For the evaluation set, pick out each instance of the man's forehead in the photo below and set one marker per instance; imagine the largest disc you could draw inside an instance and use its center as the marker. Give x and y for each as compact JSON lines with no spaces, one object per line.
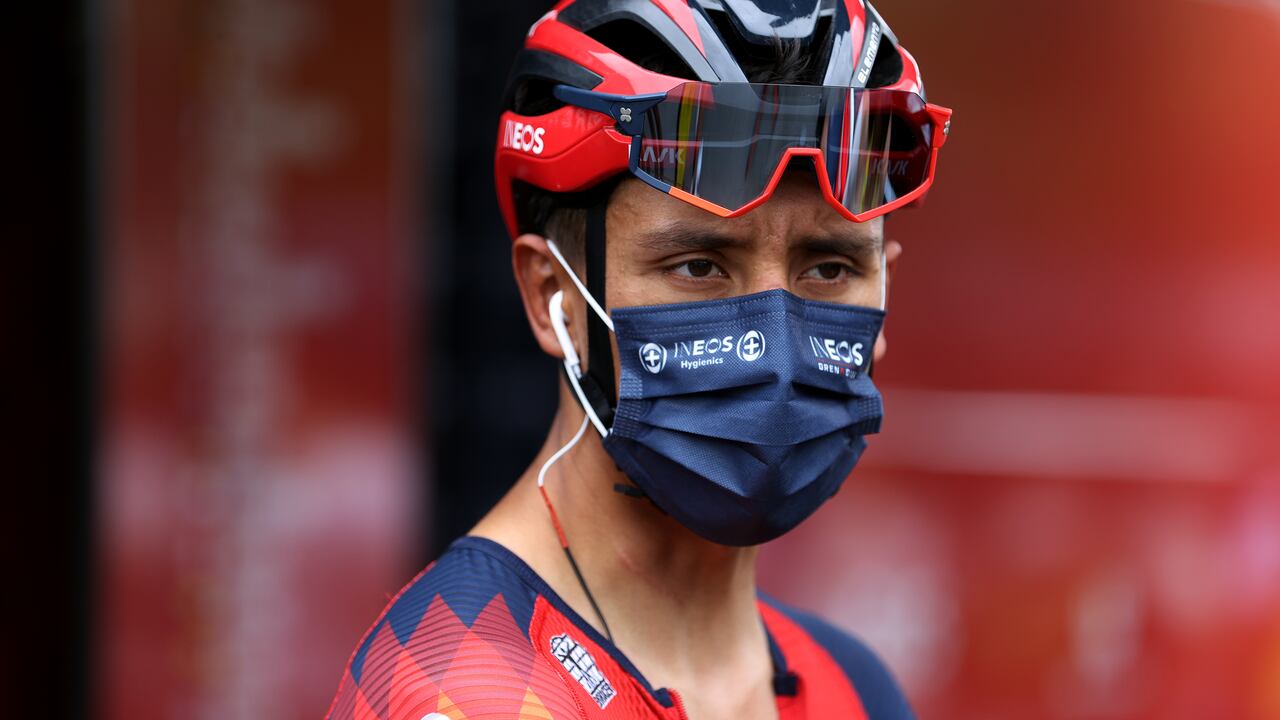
{"x":796,"y":215}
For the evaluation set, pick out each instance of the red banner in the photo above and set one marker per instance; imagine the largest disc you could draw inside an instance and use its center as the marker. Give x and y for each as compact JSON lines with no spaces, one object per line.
{"x":259,"y":484}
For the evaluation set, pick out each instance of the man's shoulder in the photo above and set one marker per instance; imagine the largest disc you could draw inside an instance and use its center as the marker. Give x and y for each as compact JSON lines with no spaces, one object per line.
{"x":456,"y":634}
{"x":878,"y":691}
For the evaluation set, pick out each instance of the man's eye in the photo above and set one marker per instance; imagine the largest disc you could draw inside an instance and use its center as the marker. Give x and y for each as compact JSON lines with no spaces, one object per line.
{"x":829,"y":271}
{"x":697,"y":269}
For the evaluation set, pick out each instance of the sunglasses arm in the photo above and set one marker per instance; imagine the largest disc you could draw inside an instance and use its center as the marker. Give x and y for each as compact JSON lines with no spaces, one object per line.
{"x":625,"y":109}
{"x":941,"y":117}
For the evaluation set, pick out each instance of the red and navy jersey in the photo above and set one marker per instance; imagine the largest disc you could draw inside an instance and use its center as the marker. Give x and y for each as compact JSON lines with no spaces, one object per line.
{"x":479,"y":635}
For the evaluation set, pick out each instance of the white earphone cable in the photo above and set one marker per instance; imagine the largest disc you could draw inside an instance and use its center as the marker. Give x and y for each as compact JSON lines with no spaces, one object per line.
{"x":542,"y":474}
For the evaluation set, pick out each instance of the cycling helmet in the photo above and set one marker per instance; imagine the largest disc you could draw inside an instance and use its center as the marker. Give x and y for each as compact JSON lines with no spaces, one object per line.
{"x":590,"y":68}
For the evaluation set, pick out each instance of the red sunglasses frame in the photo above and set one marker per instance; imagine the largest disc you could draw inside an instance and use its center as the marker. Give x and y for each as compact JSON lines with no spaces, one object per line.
{"x":940,"y":118}
{"x":625,"y":111}
{"x":583,"y":145}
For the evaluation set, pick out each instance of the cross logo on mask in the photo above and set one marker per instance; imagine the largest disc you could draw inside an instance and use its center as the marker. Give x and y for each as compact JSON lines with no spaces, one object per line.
{"x":654,"y":357}
{"x":751,"y":346}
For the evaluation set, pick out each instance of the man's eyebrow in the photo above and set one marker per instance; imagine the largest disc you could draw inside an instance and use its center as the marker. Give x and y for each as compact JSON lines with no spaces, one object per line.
{"x":675,"y":239}
{"x":850,"y":245}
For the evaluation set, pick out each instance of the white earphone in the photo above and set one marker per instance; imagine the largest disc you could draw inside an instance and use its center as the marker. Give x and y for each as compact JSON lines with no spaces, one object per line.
{"x":572,"y":363}
{"x":562,"y":334}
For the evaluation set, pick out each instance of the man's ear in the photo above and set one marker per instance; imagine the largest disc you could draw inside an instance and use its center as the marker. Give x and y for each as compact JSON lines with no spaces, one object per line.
{"x":539,"y":276}
{"x":892,"y":251}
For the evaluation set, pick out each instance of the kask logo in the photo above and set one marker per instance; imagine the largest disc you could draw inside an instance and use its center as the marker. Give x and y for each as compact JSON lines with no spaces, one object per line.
{"x":884,"y":166}
{"x":654,"y":357}
{"x":751,"y":346}
{"x":662,"y":156}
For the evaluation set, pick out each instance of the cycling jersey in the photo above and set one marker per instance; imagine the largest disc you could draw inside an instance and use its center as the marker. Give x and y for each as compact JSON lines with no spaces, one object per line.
{"x":479,"y":635}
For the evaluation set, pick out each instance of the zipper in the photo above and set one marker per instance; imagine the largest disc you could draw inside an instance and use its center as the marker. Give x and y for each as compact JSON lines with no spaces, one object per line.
{"x":679,"y":703}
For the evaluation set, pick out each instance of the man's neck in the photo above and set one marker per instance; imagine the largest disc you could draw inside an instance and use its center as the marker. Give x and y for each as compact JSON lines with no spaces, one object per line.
{"x":680,"y":607}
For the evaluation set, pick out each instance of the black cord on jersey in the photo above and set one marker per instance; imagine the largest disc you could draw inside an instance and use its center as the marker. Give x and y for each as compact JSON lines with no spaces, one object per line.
{"x":591,"y":598}
{"x":564,"y":545}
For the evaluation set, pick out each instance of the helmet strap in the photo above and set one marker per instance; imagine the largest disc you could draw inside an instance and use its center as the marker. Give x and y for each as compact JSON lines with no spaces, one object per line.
{"x":598,"y":382}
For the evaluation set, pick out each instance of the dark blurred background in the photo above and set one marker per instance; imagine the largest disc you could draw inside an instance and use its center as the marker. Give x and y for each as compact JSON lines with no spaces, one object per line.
{"x":300,"y":366}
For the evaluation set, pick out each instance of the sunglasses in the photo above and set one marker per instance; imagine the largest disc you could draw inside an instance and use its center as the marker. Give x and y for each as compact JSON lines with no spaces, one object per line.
{"x":724,"y":147}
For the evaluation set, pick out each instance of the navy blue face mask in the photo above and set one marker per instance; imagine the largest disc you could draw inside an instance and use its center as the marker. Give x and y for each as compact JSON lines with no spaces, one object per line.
{"x":740,"y":417}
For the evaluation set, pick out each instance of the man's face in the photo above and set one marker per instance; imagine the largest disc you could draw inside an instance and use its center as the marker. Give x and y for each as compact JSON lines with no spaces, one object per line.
{"x":662,"y":250}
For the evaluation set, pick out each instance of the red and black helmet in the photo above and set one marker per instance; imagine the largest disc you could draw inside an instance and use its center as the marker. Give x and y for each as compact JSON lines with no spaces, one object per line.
{"x":621,"y":49}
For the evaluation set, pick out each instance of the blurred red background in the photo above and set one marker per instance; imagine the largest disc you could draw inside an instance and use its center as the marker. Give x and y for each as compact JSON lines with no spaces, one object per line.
{"x":260,"y":483}
{"x":1073,"y":510}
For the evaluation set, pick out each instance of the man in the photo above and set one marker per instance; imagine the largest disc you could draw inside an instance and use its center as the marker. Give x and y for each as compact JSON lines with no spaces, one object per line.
{"x":696,"y":193}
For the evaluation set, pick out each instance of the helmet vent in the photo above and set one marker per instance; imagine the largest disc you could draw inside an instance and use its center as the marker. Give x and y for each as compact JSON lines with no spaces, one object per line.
{"x":532,"y":96}
{"x":535,"y":75}
{"x":638,"y":44}
{"x":783,"y":61}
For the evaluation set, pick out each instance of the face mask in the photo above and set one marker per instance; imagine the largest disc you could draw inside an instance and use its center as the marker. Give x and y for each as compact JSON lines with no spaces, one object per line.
{"x":740,"y":417}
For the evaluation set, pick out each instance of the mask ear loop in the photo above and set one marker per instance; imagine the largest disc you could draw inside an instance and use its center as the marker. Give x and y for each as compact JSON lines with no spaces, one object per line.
{"x":573,"y":369}
{"x":604,"y":317}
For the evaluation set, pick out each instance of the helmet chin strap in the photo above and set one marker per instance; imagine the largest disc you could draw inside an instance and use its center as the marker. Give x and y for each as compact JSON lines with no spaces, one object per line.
{"x":884,"y":277}
{"x":594,"y":388}
{"x":599,"y":326}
